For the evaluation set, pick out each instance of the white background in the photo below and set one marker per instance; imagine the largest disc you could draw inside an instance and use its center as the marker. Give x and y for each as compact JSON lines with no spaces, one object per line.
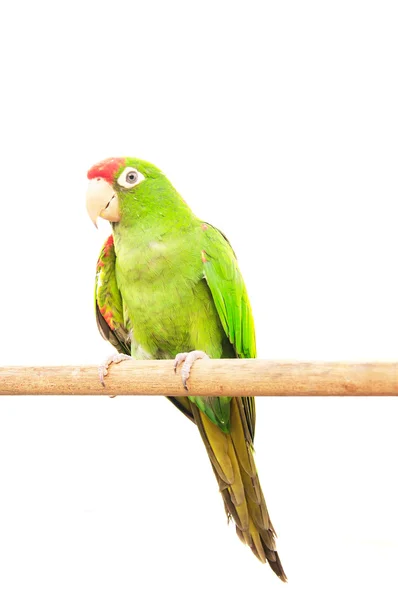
{"x":277,"y":121}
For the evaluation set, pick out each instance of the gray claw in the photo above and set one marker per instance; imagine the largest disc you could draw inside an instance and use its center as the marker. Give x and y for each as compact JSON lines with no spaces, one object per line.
{"x":180,"y":357}
{"x":114,"y":359}
{"x":188,"y":358}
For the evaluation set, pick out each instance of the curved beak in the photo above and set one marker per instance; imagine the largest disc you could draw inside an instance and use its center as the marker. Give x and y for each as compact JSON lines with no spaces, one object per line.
{"x":102,"y":201}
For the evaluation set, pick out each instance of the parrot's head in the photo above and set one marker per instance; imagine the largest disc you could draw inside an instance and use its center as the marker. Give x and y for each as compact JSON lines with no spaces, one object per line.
{"x":116,"y":184}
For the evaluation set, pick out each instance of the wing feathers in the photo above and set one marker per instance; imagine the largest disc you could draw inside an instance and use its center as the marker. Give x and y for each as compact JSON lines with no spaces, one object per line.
{"x":108,"y":301}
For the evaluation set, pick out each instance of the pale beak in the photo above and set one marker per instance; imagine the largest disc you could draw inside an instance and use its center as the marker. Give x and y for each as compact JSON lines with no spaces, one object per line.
{"x":102,"y":201}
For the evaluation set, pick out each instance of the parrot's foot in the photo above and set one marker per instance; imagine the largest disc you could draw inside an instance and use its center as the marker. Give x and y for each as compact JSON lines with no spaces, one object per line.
{"x":188,"y":358}
{"x":114,"y":359}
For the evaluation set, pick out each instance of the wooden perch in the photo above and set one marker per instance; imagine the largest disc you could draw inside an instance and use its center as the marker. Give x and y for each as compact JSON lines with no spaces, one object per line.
{"x":232,"y":377}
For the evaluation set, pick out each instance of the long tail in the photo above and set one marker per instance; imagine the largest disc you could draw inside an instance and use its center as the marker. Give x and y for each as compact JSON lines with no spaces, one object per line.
{"x":232,"y":459}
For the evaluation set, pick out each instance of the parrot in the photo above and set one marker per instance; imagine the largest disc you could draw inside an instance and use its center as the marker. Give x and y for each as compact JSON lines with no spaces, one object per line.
{"x":168,"y":286}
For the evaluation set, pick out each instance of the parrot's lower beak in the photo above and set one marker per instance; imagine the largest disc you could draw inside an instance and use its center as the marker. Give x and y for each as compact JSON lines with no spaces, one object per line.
{"x":102,"y":201}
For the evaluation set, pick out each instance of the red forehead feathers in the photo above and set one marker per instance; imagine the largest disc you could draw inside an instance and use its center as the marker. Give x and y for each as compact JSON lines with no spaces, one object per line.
{"x":106,"y":169}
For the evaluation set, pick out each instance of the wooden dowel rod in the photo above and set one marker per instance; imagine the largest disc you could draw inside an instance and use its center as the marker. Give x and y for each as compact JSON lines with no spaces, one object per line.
{"x":231,"y":377}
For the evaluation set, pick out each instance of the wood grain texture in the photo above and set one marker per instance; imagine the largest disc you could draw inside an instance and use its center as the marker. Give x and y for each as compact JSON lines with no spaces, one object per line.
{"x":240,"y":377}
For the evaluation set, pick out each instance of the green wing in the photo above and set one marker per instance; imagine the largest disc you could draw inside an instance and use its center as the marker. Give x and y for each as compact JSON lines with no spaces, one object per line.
{"x":108,"y":301}
{"x":221,"y":271}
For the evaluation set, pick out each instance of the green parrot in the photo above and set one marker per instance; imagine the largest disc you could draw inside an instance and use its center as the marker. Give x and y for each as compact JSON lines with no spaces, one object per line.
{"x":168,"y":286}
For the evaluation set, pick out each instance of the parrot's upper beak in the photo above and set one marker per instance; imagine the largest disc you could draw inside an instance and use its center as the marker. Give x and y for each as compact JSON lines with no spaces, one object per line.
{"x":102,"y":201}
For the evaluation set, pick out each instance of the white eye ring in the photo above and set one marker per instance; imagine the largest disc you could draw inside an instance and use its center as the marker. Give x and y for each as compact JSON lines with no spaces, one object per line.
{"x":130,"y":177}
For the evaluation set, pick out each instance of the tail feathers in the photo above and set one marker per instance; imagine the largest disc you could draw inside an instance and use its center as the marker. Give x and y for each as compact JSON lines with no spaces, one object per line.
{"x":261,"y":541}
{"x":233,"y":464}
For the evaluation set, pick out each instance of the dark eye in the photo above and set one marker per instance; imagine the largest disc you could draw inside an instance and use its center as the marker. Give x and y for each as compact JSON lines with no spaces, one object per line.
{"x":131,"y":176}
